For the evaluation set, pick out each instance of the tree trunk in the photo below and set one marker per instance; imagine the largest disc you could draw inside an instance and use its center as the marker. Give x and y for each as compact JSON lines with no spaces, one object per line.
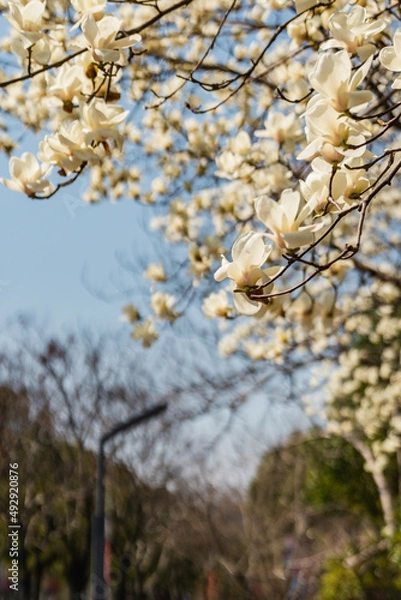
{"x":386,"y":498}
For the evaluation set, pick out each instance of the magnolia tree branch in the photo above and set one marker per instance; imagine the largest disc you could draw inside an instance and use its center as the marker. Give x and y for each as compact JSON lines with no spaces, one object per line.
{"x":70,"y":57}
{"x":306,"y":135}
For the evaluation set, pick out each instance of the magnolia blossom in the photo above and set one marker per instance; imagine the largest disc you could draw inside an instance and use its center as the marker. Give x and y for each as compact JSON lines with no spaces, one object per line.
{"x":284,"y":219}
{"x":163,"y":306}
{"x":283,"y":129}
{"x":27,"y":19}
{"x":328,"y":190}
{"x":325,"y":308}
{"x":89,"y":6}
{"x":322,"y":188}
{"x":336,"y":82}
{"x":390,"y":58}
{"x":145,"y":332}
{"x":27,"y":176}
{"x":67,"y":148}
{"x":301,"y":309}
{"x":249,"y":254}
{"x":100,"y":121}
{"x":102,"y":38}
{"x":233,"y":166}
{"x":300,"y":33}
{"x":354,"y":32}
{"x":235,"y":160}
{"x":156,"y":273}
{"x":241,"y":144}
{"x":67,"y":84}
{"x":39,"y":52}
{"x":216,"y":305}
{"x":357,"y":180}
{"x":302,"y":5}
{"x":130,"y":314}
{"x":331,"y":136}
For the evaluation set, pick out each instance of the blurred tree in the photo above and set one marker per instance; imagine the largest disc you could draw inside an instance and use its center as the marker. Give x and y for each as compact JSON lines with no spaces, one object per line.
{"x":304,"y":509}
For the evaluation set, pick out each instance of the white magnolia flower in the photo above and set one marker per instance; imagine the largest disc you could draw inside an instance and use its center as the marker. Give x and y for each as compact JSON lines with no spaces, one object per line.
{"x":354,"y":32}
{"x":163,"y":306}
{"x":40,"y":51}
{"x":302,"y":5}
{"x":145,"y":332}
{"x":283,"y":129}
{"x":329,"y":190}
{"x":216,"y":305}
{"x":357,"y":180}
{"x":27,"y":176}
{"x":89,"y":6}
{"x":321,"y":188}
{"x":130,"y":314}
{"x":156,"y":273}
{"x":101,"y":120}
{"x":249,"y":254}
{"x":326,"y":303}
{"x":390,"y":58}
{"x":284,"y":219}
{"x":27,"y":19}
{"x":67,"y":148}
{"x":332,"y":136}
{"x":102,"y":38}
{"x":301,"y":309}
{"x":336,"y":82}
{"x":67,"y":83}
{"x":241,"y":144}
{"x":233,"y":166}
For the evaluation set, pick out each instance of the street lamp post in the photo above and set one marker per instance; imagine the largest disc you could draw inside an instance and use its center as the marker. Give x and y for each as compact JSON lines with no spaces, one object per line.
{"x":98,"y":585}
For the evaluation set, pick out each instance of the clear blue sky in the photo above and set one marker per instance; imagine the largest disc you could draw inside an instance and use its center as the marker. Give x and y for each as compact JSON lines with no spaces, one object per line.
{"x":54,"y":251}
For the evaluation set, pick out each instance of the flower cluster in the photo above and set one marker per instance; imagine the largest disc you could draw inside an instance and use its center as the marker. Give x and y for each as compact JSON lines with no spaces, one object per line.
{"x":279,"y":138}
{"x":80,"y":96}
{"x":337,"y":144}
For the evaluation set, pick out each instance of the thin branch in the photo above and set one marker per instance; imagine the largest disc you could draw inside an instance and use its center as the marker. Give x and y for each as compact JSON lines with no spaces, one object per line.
{"x":245,"y":76}
{"x":59,"y":63}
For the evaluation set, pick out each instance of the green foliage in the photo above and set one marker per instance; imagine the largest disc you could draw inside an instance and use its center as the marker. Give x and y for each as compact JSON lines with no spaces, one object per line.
{"x":333,"y":467}
{"x":340,"y":583}
{"x":380,"y":579}
{"x":315,"y":493}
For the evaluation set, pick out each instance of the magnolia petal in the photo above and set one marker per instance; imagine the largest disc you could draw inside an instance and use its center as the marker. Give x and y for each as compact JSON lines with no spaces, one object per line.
{"x":361,"y":73}
{"x":105,"y":55}
{"x":397,"y":83}
{"x":296,"y":239}
{"x":235,"y":273}
{"x":366,"y":51}
{"x":127,"y":41}
{"x":89,"y":28}
{"x":356,"y":17}
{"x":331,"y":73}
{"x":246,"y":306}
{"x":269,"y":212}
{"x":390,"y":59}
{"x":240,"y":243}
{"x":250,"y":249}
{"x":221,"y":272}
{"x":397,"y":42}
{"x":338,"y":184}
{"x":290,"y":202}
{"x":359,"y":98}
{"x":312,"y":150}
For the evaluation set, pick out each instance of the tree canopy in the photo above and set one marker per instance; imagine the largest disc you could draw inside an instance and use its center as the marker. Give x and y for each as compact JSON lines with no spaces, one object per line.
{"x":268,"y":130}
{"x":269,"y":126}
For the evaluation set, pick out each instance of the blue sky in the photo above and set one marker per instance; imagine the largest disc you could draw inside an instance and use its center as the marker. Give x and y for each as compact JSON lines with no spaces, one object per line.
{"x":54,"y":251}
